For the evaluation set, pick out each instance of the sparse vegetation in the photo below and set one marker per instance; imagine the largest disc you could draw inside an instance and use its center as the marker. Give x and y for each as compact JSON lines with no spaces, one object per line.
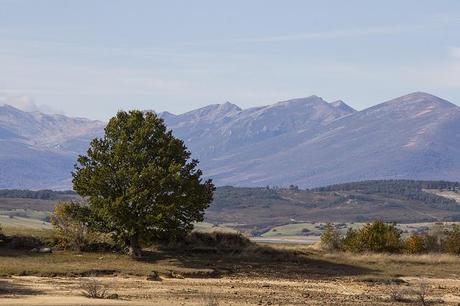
{"x":421,"y":292}
{"x":396,"y":292}
{"x":93,"y":289}
{"x":210,"y":299}
{"x":71,"y":231}
{"x":331,"y":238}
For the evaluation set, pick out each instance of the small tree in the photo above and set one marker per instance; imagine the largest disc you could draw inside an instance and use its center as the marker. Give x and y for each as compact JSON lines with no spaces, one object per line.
{"x":377,"y":236}
{"x":71,"y":230}
{"x":351,"y":241}
{"x":415,"y":244}
{"x":452,"y":240}
{"x":331,"y":238}
{"x":140,"y":182}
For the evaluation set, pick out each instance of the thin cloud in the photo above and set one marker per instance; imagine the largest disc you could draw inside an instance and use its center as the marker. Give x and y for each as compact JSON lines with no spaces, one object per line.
{"x":323,"y":35}
{"x":25,"y":103}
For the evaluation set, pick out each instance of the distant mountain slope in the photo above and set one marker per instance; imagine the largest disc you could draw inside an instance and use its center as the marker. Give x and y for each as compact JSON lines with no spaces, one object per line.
{"x":39,"y":150}
{"x":307,"y":142}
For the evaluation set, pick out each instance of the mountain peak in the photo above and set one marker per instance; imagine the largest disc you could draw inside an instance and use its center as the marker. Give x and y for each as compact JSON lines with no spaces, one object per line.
{"x":422,"y":99}
{"x":11,"y":108}
{"x":227,"y":106}
{"x":313,"y":99}
{"x":339,"y":104}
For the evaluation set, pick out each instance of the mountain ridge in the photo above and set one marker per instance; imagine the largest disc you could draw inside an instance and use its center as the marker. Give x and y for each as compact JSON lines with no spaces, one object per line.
{"x":304,"y":141}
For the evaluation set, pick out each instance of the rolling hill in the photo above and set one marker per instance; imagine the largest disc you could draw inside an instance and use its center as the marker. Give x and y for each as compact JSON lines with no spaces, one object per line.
{"x":259,"y":209}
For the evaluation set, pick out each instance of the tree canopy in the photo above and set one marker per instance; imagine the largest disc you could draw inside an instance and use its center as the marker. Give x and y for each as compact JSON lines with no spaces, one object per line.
{"x":140,"y":182}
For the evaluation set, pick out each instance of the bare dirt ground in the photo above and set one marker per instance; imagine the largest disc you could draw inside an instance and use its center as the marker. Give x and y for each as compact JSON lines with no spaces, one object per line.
{"x":32,"y":290}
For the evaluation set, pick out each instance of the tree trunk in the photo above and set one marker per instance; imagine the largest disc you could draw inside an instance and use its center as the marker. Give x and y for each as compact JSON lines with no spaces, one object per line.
{"x":134,"y":250}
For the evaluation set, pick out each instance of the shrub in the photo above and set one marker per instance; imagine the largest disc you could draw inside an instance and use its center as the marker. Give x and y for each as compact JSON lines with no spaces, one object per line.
{"x":351,"y":242}
{"x":217,"y":240}
{"x":72,"y":231}
{"x":451,"y":243}
{"x":377,"y":236}
{"x":415,"y":244}
{"x":23,"y":242}
{"x":331,"y":238}
{"x":422,"y":291}
{"x":93,"y":289}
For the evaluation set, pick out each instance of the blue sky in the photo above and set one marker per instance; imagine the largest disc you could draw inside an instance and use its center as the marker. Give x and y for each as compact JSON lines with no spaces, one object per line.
{"x":92,"y":58}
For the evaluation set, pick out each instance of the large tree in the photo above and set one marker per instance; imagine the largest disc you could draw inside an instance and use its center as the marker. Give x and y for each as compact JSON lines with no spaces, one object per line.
{"x":140,"y":182}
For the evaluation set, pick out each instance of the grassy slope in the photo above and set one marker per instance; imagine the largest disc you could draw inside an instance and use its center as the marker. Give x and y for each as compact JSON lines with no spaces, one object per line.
{"x":19,"y":222}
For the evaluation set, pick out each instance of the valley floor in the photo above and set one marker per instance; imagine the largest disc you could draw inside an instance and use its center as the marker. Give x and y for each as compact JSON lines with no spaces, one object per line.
{"x":226,"y":291}
{"x":274,"y":276}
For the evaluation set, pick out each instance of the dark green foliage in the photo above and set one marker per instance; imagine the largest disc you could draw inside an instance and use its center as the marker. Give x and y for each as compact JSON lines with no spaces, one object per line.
{"x":331,"y":238}
{"x":377,"y":236}
{"x":216,"y":240}
{"x":140,"y":182}
{"x":70,"y":221}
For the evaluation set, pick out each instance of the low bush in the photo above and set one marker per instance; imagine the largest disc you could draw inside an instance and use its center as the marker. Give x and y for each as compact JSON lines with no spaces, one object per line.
{"x":23,"y":242}
{"x":377,"y":236}
{"x":442,"y":238}
{"x":451,"y":243}
{"x":93,"y":289}
{"x":331,"y":239}
{"x":72,"y":232}
{"x":2,"y":236}
{"x":415,"y":244}
{"x":216,"y":241}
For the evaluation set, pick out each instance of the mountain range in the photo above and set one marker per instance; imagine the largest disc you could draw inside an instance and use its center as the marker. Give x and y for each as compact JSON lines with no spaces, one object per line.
{"x":307,"y":142}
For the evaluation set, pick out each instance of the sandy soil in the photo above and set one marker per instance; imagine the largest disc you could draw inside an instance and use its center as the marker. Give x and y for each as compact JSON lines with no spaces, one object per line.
{"x":29,"y":290}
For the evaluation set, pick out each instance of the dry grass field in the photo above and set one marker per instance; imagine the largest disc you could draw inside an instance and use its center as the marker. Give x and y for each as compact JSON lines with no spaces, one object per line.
{"x":258,"y":274}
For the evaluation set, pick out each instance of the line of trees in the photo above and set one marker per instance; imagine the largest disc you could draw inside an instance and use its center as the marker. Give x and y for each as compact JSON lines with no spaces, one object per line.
{"x":409,"y":189}
{"x":44,"y":194}
{"x":379,"y":237}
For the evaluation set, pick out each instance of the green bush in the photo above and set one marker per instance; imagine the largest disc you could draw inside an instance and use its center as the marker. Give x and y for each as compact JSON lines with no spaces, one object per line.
{"x":451,"y":242}
{"x":350,"y":242}
{"x":377,"y":236}
{"x":71,"y":230}
{"x":216,"y":240}
{"x":331,"y":238}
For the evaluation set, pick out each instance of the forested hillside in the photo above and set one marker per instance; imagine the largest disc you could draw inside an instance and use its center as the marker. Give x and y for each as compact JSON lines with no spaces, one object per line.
{"x":402,"y":201}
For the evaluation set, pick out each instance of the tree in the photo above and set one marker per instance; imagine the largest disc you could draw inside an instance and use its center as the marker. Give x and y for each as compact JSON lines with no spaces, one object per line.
{"x":72,"y":231}
{"x":331,"y":239}
{"x":140,"y":182}
{"x":377,"y":236}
